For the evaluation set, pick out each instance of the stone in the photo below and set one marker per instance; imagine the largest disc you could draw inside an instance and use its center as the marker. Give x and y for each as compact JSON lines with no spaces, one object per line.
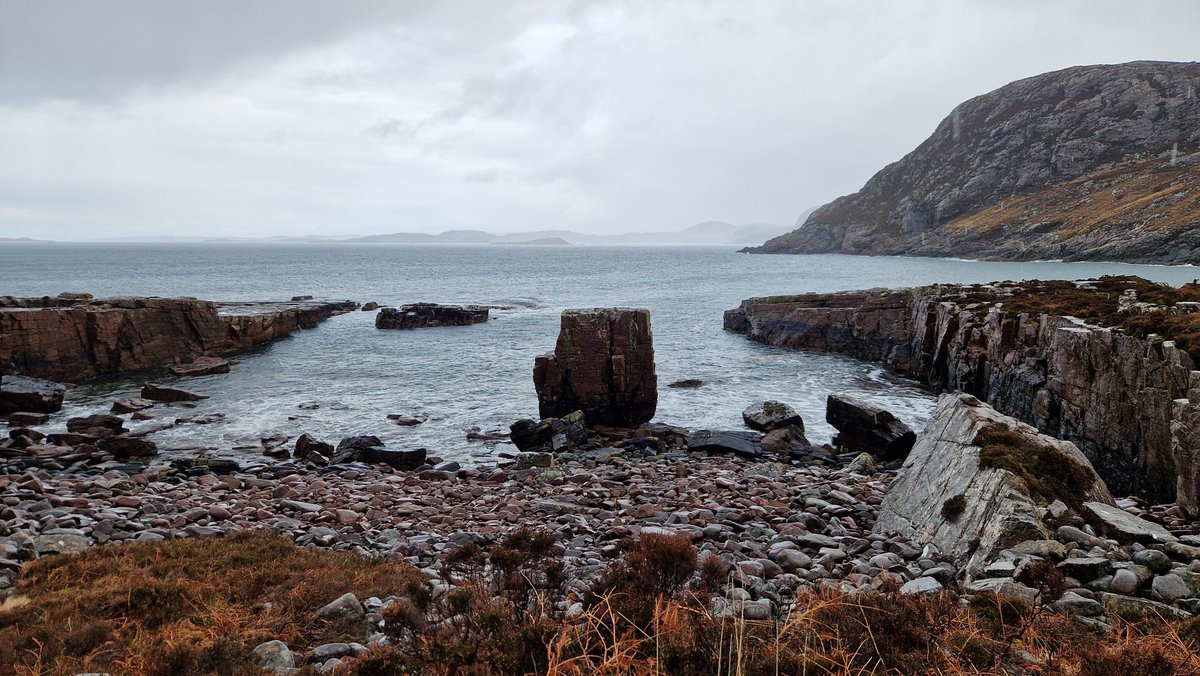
{"x":866,"y":428}
{"x":404,"y":420}
{"x":1134,"y":608}
{"x":34,"y":395}
{"x":201,"y":366}
{"x":1124,"y":527}
{"x":60,"y":543}
{"x":603,"y":365}
{"x":167,"y":393}
{"x":1169,"y":588}
{"x":863,"y":463}
{"x":747,"y":444}
{"x":551,"y":434}
{"x":996,"y":510}
{"x":1000,"y":585}
{"x":785,"y":440}
{"x":1085,"y":568}
{"x":426,"y":315}
{"x":345,"y":608}
{"x":921,"y":585}
{"x":406,"y":460}
{"x":1153,"y":559}
{"x":327,"y":651}
{"x":123,"y":406}
{"x":26,"y":418}
{"x":1079,"y":605}
{"x":687,"y":383}
{"x":370,"y":306}
{"x":1124,"y":582}
{"x":1046,"y":549}
{"x":1077,"y":536}
{"x":125,"y":447}
{"x":771,"y":415}
{"x":306,"y":444}
{"x":273,"y":656}
{"x":110,"y":423}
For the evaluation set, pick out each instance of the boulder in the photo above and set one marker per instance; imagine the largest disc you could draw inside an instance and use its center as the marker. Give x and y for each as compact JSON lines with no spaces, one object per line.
{"x":157,"y":392}
{"x":127,"y":447}
{"x":958,"y":496}
{"x":748,"y":444}
{"x":370,"y":307}
{"x":866,"y":428}
{"x":22,"y":393}
{"x":370,"y":449}
{"x":106,"y":424}
{"x":1122,"y":526}
{"x":766,"y":416}
{"x":131,"y":405}
{"x":555,"y":434}
{"x":687,"y":383}
{"x":426,"y":315}
{"x":603,"y":365}
{"x":348,"y":448}
{"x":306,"y":444}
{"x":785,"y":440}
{"x":201,"y":366}
{"x":23,"y":418}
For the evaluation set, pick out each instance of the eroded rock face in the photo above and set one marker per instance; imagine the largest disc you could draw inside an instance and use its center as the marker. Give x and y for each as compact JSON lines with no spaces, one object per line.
{"x":425,"y":315}
{"x":602,"y":365}
{"x":943,"y":496}
{"x":72,"y":338}
{"x":1131,"y":405}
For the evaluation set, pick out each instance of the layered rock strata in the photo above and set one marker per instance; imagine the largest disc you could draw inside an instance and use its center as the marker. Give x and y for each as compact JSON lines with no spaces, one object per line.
{"x":602,"y":365}
{"x":425,"y":315}
{"x":74,"y":337}
{"x":1131,"y":404}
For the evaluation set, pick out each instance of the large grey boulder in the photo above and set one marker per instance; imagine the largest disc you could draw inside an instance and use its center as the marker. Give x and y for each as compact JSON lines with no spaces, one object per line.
{"x":943,"y":496}
{"x":864,"y":427}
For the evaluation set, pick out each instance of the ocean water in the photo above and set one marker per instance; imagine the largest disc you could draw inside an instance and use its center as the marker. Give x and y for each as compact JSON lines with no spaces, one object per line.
{"x":480,"y":376}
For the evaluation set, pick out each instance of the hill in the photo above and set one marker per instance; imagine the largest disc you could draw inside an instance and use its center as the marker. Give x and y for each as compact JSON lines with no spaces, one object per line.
{"x":1087,"y":163}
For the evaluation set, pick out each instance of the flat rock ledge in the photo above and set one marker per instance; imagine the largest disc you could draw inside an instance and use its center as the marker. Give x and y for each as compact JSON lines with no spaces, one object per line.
{"x":428,"y":315}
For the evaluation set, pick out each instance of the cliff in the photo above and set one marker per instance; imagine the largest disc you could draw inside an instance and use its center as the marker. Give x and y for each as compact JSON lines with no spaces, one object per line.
{"x":69,"y":338}
{"x":1088,"y":163}
{"x":1088,"y":362}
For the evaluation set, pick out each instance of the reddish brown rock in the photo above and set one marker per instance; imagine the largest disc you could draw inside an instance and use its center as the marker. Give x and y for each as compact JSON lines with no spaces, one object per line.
{"x":33,"y":395}
{"x":602,"y":365}
{"x":72,"y":338}
{"x":426,"y":315}
{"x":201,"y":366}
{"x":156,"y":392}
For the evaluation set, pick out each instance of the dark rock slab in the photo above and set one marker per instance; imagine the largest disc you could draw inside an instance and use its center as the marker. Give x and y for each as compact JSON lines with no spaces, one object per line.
{"x":866,"y":428}
{"x":747,"y":444}
{"x":157,"y":392}
{"x":427,"y":315}
{"x":22,"y":393}
{"x":201,"y":366}
{"x":554,"y":434}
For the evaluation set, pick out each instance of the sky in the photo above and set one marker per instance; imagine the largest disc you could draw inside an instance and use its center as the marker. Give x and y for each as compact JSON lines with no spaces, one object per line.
{"x":129,"y":118}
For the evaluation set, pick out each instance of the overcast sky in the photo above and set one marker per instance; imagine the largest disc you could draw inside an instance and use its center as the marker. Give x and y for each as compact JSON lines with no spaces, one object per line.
{"x":295,"y":117}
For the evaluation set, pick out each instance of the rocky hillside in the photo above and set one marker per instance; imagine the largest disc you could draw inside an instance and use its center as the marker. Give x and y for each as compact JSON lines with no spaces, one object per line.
{"x":1088,"y":163}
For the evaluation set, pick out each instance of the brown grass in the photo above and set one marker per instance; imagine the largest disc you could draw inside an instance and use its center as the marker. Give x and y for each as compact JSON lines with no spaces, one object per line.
{"x":199,"y":606}
{"x":196,"y":605}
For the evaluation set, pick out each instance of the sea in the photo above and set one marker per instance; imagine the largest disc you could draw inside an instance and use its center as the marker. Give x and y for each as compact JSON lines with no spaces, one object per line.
{"x":479,"y":377}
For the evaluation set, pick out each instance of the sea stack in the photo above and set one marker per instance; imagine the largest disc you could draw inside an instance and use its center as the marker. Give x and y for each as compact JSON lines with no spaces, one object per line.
{"x":602,"y":365}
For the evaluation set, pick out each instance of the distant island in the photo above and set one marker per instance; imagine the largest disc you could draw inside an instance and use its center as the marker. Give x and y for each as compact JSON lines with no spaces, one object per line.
{"x":541,"y":241}
{"x":19,"y":240}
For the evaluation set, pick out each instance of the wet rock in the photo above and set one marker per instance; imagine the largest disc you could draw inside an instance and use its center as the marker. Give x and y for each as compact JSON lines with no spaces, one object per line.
{"x":123,"y":406}
{"x":943,"y":497}
{"x":22,"y":393}
{"x":110,"y":424}
{"x":306,"y":445}
{"x":370,"y":450}
{"x":555,"y":434}
{"x":1122,"y":526}
{"x":370,"y":306}
{"x":296,"y":299}
{"x":687,"y":383}
{"x":201,"y":366}
{"x":866,"y":428}
{"x":426,"y":315}
{"x":747,"y":444}
{"x":771,"y":415}
{"x":125,"y":447}
{"x":603,"y":365}
{"x":405,"y":420}
{"x":167,"y":393}
{"x":25,"y":418}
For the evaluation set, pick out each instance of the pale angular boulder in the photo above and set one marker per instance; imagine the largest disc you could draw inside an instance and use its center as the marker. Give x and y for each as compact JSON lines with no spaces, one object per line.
{"x":990,"y":509}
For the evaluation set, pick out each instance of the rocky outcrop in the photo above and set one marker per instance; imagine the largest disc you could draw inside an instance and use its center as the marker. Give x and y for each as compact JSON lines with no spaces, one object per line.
{"x":30,"y":395}
{"x":425,"y":315}
{"x":866,"y":428}
{"x":71,"y":338}
{"x":766,"y":416}
{"x":552,"y":434}
{"x":1131,"y":403}
{"x":956,"y":493}
{"x":602,"y":365}
{"x":201,"y":366}
{"x":1087,"y":163}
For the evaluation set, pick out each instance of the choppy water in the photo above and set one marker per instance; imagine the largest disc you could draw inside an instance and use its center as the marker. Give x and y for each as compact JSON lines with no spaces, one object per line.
{"x":481,"y":375}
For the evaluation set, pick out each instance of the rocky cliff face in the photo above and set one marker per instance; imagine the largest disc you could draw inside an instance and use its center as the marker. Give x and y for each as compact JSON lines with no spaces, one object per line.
{"x":1087,"y":163}
{"x":603,"y":365}
{"x":1130,"y":403}
{"x":73,"y":338}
